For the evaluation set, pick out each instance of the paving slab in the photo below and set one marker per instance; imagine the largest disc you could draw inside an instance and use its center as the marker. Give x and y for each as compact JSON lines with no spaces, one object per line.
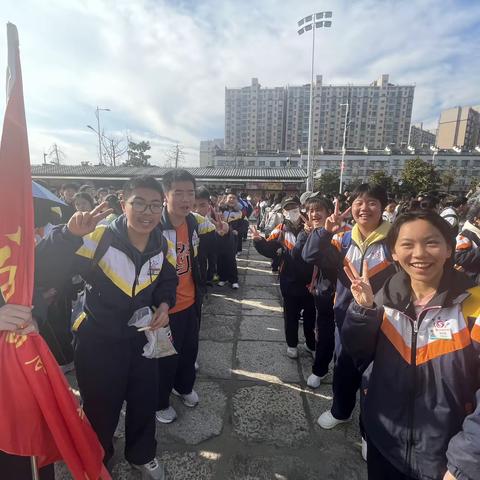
{"x":268,"y":293}
{"x":215,"y":359}
{"x":337,"y":465}
{"x":265,"y":361}
{"x":195,"y":425}
{"x":261,"y":280}
{"x":262,"y":328}
{"x":262,"y":307}
{"x":256,"y":270}
{"x":218,"y":327}
{"x":306,"y":362}
{"x":270,"y":414}
{"x":222,"y":304}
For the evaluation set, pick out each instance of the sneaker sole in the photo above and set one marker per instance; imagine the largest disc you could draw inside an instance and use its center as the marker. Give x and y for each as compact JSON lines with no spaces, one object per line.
{"x":145,"y":475}
{"x":330,"y":427}
{"x":164,"y":421}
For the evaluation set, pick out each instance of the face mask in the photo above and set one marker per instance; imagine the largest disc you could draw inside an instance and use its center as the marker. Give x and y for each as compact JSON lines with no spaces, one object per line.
{"x":292,"y":215}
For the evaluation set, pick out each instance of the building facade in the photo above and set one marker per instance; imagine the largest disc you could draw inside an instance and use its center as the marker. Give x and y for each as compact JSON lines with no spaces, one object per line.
{"x":259,"y":118}
{"x":208,"y":149}
{"x":420,"y":138}
{"x":459,"y":127}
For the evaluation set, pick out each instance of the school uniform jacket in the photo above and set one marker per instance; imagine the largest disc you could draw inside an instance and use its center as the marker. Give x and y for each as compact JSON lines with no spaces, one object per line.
{"x":233,"y":217}
{"x":422,"y":406}
{"x":123,"y":281}
{"x":328,"y":251}
{"x":467,"y":251}
{"x":295,"y":274}
{"x":200,"y":229}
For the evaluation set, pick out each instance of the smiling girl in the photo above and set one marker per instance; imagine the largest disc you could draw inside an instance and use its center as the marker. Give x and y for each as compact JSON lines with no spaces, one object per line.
{"x":421,"y":412}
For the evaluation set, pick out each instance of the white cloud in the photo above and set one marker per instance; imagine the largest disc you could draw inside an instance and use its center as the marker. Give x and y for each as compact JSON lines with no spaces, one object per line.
{"x":162,"y":68}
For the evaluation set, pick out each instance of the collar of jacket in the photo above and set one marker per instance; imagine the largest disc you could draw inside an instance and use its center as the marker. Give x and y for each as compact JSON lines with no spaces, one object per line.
{"x":166,"y":223}
{"x":397,"y":291}
{"x":154,"y":245}
{"x":472,"y":228}
{"x":290,"y":227}
{"x":379,"y":234}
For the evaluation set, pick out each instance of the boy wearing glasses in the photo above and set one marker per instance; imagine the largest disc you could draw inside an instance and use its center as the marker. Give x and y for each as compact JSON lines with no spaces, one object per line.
{"x":127,"y":265}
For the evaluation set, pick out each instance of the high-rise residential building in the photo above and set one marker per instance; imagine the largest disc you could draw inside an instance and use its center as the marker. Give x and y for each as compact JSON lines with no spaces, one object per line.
{"x":420,"y":138}
{"x":208,"y":148}
{"x":459,"y":127}
{"x":257,"y":118}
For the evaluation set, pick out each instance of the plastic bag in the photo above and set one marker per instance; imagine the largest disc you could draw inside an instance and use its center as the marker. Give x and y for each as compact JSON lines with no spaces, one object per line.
{"x":160,"y":341}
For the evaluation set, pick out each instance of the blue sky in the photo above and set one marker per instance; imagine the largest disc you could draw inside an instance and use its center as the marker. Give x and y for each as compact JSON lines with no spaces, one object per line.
{"x":162,"y":66}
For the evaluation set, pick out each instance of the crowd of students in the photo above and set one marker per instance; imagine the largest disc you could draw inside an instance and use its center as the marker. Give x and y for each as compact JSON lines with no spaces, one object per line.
{"x":389,"y":292}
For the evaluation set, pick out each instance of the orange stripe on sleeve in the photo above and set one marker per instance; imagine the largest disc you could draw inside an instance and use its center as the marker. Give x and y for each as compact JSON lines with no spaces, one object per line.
{"x":378,"y":268}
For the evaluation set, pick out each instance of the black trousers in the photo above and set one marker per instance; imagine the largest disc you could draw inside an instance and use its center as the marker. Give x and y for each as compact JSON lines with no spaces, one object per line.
{"x":18,"y":468}
{"x":346,"y":382}
{"x":226,"y":261}
{"x":178,"y":371}
{"x":379,"y":468}
{"x":324,"y":335}
{"x":292,"y":306}
{"x":109,"y":372}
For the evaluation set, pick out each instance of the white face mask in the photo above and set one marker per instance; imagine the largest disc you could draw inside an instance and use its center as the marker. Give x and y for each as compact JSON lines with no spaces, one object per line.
{"x":292,"y":215}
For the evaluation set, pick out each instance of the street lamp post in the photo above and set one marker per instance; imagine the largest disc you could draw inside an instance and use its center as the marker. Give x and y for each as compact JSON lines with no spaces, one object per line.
{"x":97,"y":114}
{"x":344,"y":147}
{"x":312,"y":22}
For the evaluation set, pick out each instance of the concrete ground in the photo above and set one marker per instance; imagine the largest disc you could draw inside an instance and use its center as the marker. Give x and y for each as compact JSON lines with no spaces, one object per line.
{"x":257,"y":418}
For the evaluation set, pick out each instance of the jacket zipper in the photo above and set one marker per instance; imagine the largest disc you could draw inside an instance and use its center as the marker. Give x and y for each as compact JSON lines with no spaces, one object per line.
{"x":413,"y":363}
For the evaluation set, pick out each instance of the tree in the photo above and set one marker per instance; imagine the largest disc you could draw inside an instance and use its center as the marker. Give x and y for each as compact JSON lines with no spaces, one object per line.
{"x":175,"y":157}
{"x":136,"y":154}
{"x":420,"y":176}
{"x":448,"y":179}
{"x":328,"y":183}
{"x":114,"y":148}
{"x":382,"y":179}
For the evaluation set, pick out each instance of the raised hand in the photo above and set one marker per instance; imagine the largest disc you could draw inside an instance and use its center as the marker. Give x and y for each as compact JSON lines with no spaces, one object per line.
{"x":83,"y":223}
{"x":307,"y":224}
{"x":255,"y":233}
{"x":334,"y":222}
{"x":361,"y":289}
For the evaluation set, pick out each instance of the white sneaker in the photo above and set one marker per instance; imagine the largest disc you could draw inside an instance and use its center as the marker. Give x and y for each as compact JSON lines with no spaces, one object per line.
{"x":189,"y":399}
{"x":314,"y":381}
{"x":364,"y":449}
{"x":168,"y":415}
{"x":152,"y":470}
{"x":292,"y":352}
{"x":311,"y":352}
{"x":221,"y":284}
{"x":197,"y":366}
{"x":327,"y":421}
{"x":235,"y":286}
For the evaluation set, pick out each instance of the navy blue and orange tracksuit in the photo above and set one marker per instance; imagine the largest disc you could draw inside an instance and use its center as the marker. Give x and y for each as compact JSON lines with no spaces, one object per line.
{"x":467,"y":251}
{"x":328,"y":251}
{"x":109,"y":364}
{"x":422,"y":406}
{"x":295,"y":276}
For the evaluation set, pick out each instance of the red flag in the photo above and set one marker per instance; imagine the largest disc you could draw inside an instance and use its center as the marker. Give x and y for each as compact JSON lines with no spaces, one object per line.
{"x":39,"y":415}
{"x":16,"y":209}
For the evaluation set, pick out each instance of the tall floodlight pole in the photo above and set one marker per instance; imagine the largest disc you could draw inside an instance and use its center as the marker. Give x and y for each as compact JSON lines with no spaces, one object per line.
{"x":312,"y":22}
{"x":344,"y":146}
{"x":97,"y":114}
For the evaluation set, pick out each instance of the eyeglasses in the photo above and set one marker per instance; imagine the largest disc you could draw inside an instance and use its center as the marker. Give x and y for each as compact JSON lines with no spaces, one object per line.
{"x":139,"y":206}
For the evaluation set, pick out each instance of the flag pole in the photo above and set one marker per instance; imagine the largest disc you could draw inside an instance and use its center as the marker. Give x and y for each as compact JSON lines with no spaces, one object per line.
{"x":34,"y":465}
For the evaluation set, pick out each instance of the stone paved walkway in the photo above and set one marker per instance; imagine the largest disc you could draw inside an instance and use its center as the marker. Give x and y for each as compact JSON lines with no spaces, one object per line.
{"x":257,"y":418}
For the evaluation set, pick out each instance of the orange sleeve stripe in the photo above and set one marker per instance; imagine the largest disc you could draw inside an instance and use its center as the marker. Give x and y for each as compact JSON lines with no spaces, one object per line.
{"x":288,"y":244}
{"x":463,"y":246}
{"x":437,"y":348}
{"x":476,"y":332}
{"x":378,"y":268}
{"x":396,"y":339}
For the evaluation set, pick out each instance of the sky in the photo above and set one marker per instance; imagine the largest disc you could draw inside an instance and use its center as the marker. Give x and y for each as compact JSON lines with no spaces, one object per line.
{"x":161,"y":66}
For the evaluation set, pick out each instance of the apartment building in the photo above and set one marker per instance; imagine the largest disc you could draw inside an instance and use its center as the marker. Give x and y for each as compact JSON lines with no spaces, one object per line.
{"x":420,"y":138}
{"x":258,"y":118}
{"x":459,"y":127}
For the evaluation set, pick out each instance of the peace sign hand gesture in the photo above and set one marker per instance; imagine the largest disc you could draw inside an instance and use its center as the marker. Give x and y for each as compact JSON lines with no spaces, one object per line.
{"x":83,"y":223}
{"x":361,"y":289}
{"x":255,"y":233}
{"x":334,"y":221}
